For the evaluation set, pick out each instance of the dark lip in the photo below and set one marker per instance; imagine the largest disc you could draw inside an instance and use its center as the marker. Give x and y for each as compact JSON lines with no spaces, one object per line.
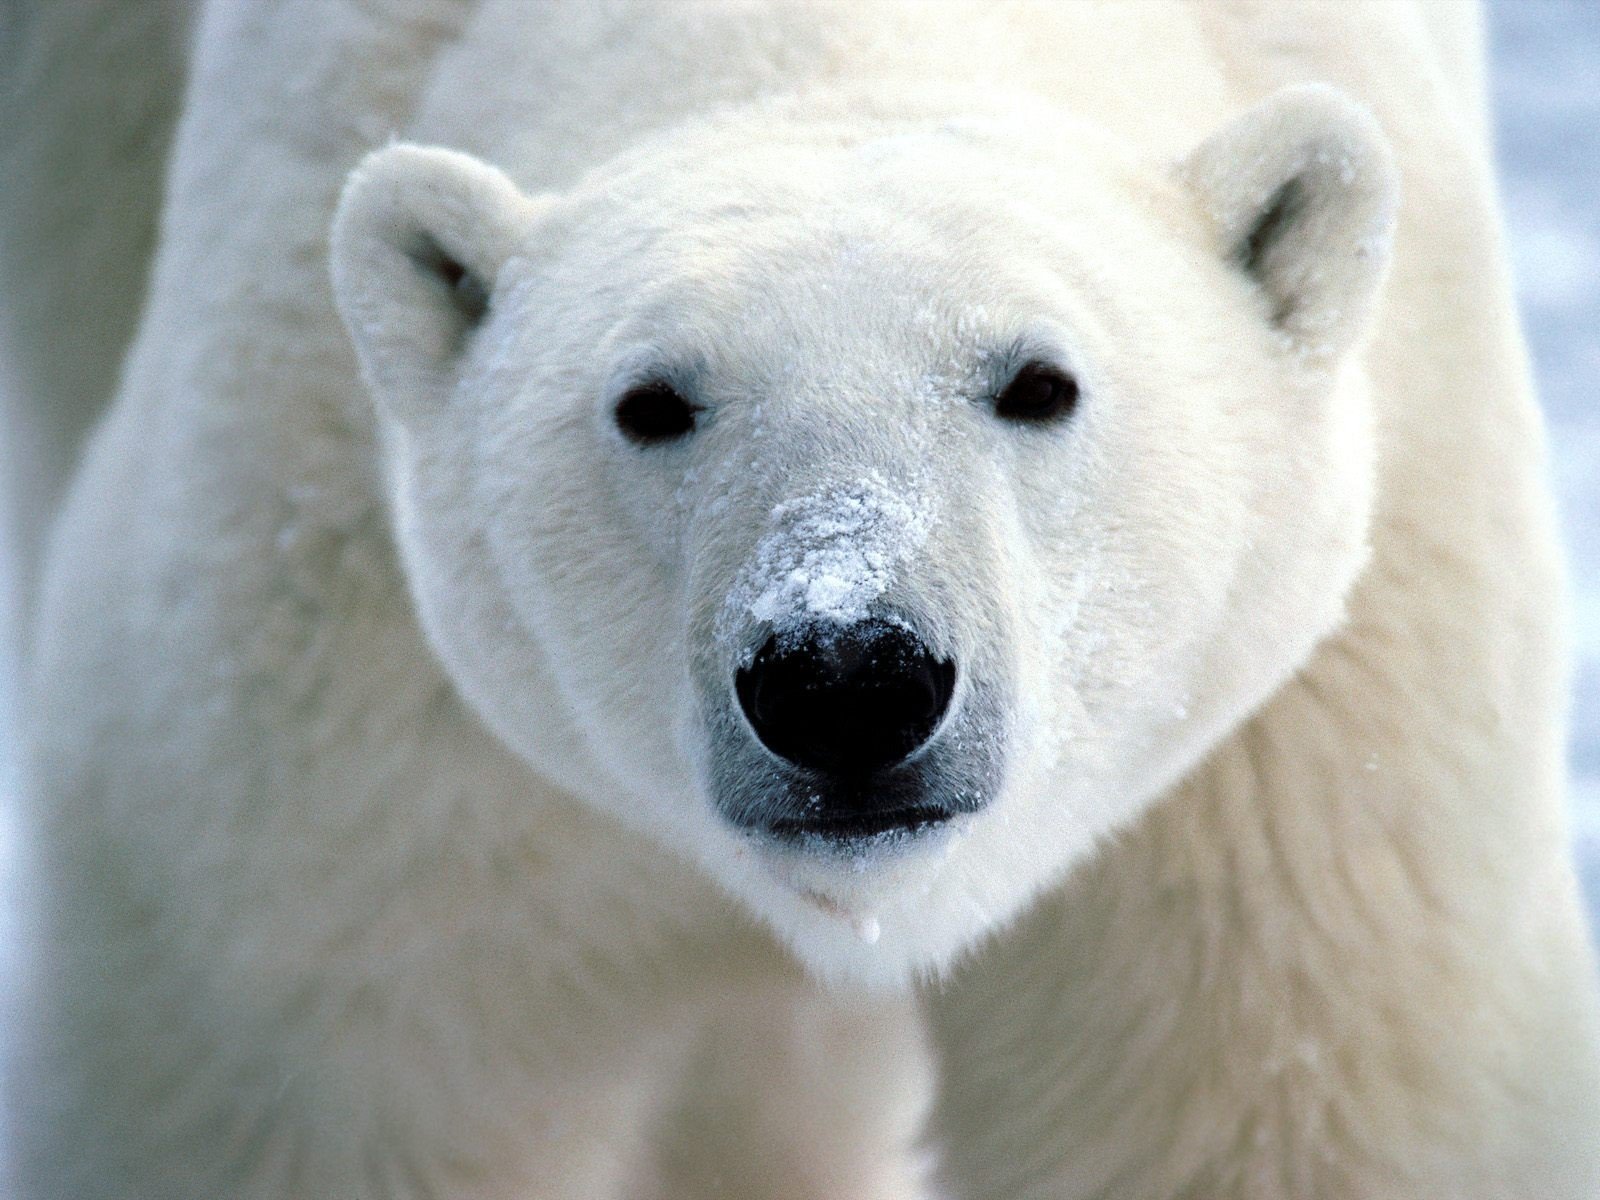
{"x":860,"y":827}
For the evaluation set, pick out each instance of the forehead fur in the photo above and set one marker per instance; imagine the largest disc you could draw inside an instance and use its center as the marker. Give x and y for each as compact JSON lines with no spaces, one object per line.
{"x":867,"y":241}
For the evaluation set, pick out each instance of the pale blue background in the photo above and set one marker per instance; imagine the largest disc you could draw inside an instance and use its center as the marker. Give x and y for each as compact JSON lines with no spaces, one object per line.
{"x":1546,"y":76}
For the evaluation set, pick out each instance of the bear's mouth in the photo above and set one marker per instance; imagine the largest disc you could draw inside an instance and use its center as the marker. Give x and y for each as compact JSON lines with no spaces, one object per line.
{"x":843,"y":829}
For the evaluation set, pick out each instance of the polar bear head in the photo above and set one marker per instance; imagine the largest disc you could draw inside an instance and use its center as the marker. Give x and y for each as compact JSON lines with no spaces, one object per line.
{"x":877,"y":512}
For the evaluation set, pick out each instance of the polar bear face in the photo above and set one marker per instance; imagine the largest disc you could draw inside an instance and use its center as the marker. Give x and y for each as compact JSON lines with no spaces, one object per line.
{"x":877,"y":514}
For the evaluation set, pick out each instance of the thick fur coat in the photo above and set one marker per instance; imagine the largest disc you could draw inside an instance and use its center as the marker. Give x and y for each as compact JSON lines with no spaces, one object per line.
{"x":395,"y":829}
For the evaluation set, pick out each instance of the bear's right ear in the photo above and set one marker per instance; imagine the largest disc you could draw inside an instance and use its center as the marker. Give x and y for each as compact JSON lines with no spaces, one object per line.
{"x":418,"y":242}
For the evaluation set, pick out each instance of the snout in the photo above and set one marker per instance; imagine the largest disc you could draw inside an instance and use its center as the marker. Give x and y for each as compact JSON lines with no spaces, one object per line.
{"x":847,"y":710}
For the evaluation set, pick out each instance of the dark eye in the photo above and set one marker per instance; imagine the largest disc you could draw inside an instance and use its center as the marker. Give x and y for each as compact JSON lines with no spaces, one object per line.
{"x":1038,"y":393}
{"x":652,"y":412}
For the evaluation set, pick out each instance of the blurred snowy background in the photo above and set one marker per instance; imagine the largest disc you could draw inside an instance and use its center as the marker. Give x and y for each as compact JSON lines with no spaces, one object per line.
{"x":1545,"y":74}
{"x":1545,"y":71}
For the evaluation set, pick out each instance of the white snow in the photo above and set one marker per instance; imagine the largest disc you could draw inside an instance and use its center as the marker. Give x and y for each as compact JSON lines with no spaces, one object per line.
{"x":1547,"y":117}
{"x":827,"y":556}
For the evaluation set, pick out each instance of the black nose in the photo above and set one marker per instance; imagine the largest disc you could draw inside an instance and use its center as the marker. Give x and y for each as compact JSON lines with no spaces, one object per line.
{"x":845,"y":701}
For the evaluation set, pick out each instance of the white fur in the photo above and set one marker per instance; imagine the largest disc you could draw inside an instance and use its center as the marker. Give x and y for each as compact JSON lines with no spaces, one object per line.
{"x":371,"y":728}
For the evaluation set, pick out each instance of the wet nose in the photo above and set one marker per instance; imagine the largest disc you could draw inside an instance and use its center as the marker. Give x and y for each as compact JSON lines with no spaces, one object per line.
{"x":845,"y":701}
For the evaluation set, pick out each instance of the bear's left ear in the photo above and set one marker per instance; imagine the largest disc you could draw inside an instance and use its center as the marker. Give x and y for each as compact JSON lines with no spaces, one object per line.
{"x":1302,"y":191}
{"x":418,"y":242}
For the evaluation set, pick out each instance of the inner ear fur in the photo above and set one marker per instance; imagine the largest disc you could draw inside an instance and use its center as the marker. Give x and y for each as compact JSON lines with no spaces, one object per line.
{"x":1302,"y":192}
{"x":418,"y":242}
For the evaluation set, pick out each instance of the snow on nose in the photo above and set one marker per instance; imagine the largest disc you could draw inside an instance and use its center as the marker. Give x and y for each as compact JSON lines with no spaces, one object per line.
{"x":828,"y":556}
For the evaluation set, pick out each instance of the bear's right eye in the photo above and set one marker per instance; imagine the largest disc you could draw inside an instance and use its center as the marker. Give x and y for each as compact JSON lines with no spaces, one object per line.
{"x":651,"y":413}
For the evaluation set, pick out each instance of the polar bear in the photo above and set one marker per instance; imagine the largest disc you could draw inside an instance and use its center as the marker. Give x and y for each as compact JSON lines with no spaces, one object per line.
{"x":833,"y":601}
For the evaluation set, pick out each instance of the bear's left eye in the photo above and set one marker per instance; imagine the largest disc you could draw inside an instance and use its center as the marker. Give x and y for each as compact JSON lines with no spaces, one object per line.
{"x":651,"y":413}
{"x":1036,"y":394}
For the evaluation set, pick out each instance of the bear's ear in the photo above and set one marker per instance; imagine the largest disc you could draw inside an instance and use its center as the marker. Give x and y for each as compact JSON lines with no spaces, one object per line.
{"x":418,"y":242}
{"x":1302,"y":191}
